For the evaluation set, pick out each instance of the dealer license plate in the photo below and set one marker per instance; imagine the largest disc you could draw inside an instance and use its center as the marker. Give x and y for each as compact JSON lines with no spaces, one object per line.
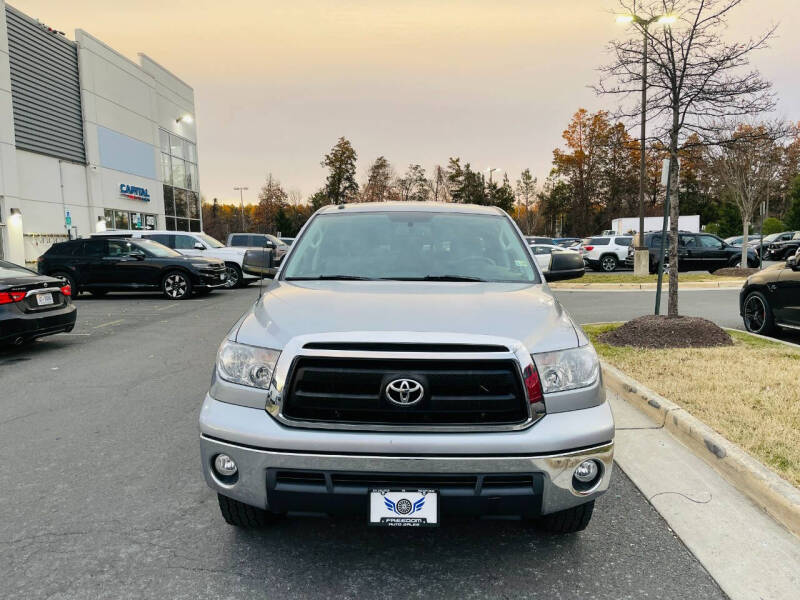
{"x":44,"y":299}
{"x":404,"y":508}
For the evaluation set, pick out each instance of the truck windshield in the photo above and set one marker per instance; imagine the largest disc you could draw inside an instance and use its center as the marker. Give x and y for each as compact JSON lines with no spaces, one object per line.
{"x":411,"y":246}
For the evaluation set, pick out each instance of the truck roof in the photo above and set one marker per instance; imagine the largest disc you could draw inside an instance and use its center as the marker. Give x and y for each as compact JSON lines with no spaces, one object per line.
{"x":449,"y":207}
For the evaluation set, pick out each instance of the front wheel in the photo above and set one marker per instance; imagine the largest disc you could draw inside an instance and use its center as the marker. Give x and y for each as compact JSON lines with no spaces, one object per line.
{"x":608,"y":263}
{"x":176,"y":285}
{"x":570,"y":520}
{"x":234,"y":275}
{"x":758,"y":316}
{"x":242,"y":515}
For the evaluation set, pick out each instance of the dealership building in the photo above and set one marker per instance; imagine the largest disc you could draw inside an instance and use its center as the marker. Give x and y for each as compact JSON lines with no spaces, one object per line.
{"x":89,"y":140}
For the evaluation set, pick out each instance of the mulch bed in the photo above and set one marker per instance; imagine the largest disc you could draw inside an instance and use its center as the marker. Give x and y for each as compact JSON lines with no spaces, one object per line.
{"x":735,"y":272}
{"x":668,"y":332}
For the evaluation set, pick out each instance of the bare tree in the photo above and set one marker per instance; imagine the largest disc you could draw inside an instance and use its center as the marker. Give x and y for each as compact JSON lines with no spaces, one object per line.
{"x":698,"y":82}
{"x":746,"y":164}
{"x":438,"y":185}
{"x":413,"y":186}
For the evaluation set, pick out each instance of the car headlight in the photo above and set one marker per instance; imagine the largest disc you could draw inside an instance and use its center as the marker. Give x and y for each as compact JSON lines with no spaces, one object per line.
{"x":567,"y":369}
{"x":246,"y":365}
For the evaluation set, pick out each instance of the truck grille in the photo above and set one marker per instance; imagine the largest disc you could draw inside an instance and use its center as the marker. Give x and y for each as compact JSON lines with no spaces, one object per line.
{"x":456,"y":392}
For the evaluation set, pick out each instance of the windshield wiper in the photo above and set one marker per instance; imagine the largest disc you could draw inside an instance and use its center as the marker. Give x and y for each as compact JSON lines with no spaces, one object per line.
{"x":436,"y":278}
{"x":330,"y":278}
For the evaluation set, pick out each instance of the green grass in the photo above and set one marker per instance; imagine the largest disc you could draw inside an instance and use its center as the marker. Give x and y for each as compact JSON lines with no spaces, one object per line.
{"x":631,"y":278}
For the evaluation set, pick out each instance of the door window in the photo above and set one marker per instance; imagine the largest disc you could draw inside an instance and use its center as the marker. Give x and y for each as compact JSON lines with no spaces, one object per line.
{"x":118,"y":248}
{"x":706,"y":241}
{"x":687,"y":241}
{"x":184,"y":242}
{"x":161,"y":238}
{"x":94,"y":248}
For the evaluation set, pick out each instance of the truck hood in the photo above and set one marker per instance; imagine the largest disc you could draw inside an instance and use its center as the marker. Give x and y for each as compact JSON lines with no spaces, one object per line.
{"x":523,"y":312}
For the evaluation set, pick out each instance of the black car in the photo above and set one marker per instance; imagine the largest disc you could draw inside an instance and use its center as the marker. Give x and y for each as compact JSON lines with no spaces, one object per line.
{"x":782,"y":249}
{"x":532,"y":239}
{"x":101,"y":265}
{"x":696,"y":252}
{"x":771,"y":298}
{"x":32,"y":305}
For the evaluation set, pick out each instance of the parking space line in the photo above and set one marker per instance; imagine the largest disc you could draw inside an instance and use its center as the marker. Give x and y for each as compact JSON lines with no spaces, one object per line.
{"x":167,"y":307}
{"x":107,"y":324}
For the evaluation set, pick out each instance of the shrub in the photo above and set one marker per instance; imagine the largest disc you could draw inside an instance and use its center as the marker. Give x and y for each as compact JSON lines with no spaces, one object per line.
{"x":773,"y":225}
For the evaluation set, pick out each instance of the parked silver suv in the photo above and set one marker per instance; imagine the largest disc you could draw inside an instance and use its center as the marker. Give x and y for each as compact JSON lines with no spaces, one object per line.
{"x":408,"y":363}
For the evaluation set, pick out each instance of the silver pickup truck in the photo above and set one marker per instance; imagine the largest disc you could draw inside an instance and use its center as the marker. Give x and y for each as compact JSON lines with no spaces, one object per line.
{"x":408,"y":363}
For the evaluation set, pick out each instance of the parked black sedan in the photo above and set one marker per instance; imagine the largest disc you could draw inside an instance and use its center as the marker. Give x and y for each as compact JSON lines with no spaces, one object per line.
{"x":101,"y":265}
{"x":32,"y":305}
{"x":771,"y":298}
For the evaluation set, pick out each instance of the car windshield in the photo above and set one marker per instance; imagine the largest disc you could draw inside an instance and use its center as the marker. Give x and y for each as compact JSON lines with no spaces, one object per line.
{"x":411,"y":246}
{"x":209,"y":241}
{"x":8,"y":269}
{"x":153,"y":248}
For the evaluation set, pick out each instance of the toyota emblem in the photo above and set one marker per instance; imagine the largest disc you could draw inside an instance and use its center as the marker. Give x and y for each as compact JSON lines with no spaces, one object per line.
{"x":404,"y":392}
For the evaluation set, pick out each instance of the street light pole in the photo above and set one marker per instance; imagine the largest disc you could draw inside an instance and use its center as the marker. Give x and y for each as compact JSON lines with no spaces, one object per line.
{"x":241,"y":190}
{"x":641,"y":256}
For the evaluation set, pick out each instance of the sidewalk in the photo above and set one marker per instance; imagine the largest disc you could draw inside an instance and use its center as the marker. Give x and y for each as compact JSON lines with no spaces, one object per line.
{"x":745,"y":551}
{"x":687,"y":285}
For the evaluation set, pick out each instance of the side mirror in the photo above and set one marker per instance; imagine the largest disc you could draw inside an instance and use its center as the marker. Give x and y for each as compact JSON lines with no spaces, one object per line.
{"x":565,"y":265}
{"x":792,"y":263}
{"x":258,"y":263}
{"x":199,"y":246}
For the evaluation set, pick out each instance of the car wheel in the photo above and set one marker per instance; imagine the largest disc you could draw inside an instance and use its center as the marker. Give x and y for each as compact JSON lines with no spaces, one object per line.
{"x":570,"y":520}
{"x":70,"y":280}
{"x":176,"y":285}
{"x":234,"y":273}
{"x":608,"y":263}
{"x":757,"y":314}
{"x":243,"y":515}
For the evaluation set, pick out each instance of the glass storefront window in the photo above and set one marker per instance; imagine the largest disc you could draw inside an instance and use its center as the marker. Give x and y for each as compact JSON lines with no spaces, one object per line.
{"x":181,"y":208}
{"x":176,"y":146}
{"x":178,"y":172}
{"x":150,"y":222}
{"x":121,"y":220}
{"x":169,"y":200}
{"x":166,"y":169}
{"x":163,"y":137}
{"x":193,"y":205}
{"x":179,"y":175}
{"x":108,"y":215}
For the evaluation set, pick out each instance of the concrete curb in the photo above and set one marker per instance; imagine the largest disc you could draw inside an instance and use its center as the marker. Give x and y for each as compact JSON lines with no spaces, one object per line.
{"x":687,"y":285}
{"x":779,"y":498}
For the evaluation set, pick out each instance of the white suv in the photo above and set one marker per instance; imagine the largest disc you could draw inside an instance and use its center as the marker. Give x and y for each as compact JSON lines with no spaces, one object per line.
{"x":193,"y":243}
{"x":607,"y":252}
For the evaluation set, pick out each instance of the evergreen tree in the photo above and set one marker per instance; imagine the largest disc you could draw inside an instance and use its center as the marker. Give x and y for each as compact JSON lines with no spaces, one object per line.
{"x":341,"y":185}
{"x":379,"y":181}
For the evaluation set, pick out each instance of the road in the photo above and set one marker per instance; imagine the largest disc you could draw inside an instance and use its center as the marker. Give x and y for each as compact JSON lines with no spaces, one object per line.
{"x":720,"y":306}
{"x":101,"y":492}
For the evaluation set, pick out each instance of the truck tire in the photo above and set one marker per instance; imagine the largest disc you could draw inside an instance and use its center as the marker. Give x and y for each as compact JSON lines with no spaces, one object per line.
{"x":570,"y":520}
{"x":234,"y":275}
{"x":242,"y":515}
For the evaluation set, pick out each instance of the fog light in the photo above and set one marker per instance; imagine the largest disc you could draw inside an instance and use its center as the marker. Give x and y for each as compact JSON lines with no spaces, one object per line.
{"x":225,"y":465}
{"x":586,"y":471}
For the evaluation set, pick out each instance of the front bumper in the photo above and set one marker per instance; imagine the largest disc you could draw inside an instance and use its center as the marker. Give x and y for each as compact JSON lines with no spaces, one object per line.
{"x":549,"y":451}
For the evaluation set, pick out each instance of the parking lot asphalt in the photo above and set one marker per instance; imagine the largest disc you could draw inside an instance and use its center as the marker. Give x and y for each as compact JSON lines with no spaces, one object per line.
{"x":102,"y":496}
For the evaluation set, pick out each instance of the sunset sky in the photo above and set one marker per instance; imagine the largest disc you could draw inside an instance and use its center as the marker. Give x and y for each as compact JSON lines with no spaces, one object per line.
{"x":277,"y":82}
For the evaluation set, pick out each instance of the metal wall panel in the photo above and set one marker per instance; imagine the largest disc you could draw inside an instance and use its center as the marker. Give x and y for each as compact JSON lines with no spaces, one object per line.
{"x":45,"y":89}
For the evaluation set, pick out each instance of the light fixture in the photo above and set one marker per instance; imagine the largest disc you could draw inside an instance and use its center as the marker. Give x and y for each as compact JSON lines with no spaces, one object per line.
{"x":623,"y":19}
{"x":15,"y":212}
{"x":187,"y":118}
{"x":225,"y":465}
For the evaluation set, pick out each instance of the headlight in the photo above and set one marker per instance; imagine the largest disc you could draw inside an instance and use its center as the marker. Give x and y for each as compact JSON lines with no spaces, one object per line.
{"x":246,"y":365}
{"x":567,"y":369}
